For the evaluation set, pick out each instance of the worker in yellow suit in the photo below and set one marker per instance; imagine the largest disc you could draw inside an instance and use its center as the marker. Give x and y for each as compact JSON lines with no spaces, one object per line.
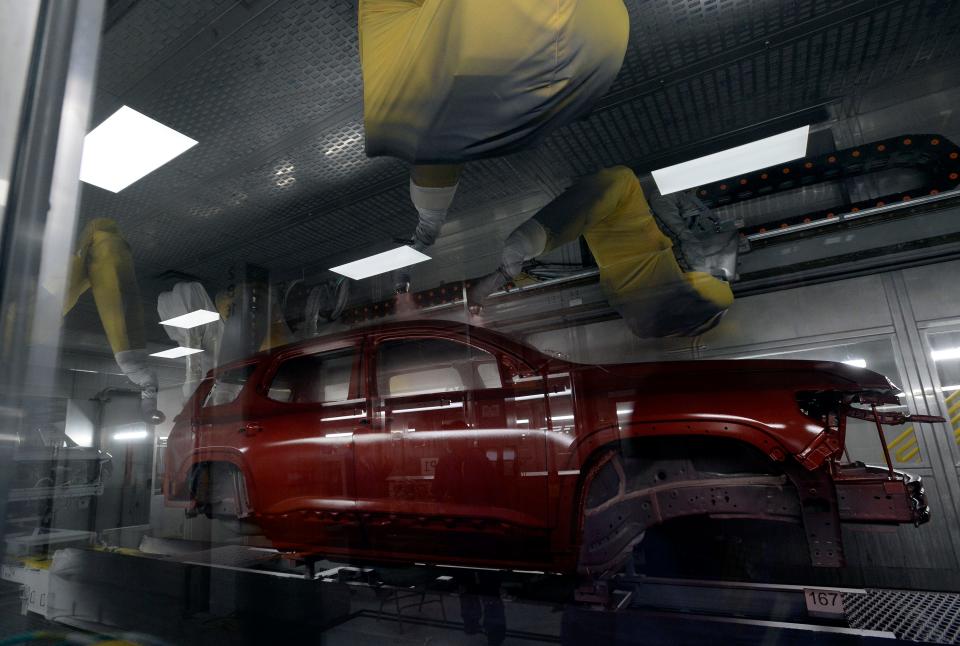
{"x":639,"y":273}
{"x":450,"y":81}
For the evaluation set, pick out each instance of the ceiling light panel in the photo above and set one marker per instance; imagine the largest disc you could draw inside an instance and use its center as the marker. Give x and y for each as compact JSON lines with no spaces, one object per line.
{"x":734,"y":161}
{"x":381,"y":263}
{"x":945,"y":355}
{"x":126,"y":436}
{"x":856,"y":363}
{"x":126,"y":147}
{"x":175,"y":353}
{"x":192,"y":319}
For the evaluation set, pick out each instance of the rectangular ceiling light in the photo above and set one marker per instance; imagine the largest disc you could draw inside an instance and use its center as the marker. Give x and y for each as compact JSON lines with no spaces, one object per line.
{"x":127,"y":146}
{"x":192,"y":319}
{"x":175,"y":353}
{"x":856,"y":363}
{"x":734,"y":161}
{"x":943,"y":355}
{"x":126,"y":436}
{"x":381,"y":263}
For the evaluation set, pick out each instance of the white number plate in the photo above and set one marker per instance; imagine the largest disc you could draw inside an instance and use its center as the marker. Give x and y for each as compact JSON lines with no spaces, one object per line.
{"x":824,"y":603}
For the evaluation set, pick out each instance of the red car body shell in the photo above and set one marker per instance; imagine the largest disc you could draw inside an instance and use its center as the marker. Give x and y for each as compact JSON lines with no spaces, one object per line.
{"x":489,"y":476}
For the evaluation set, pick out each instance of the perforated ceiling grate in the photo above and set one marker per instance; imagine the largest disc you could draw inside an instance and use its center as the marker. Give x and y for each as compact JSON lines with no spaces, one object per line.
{"x":149,"y":31}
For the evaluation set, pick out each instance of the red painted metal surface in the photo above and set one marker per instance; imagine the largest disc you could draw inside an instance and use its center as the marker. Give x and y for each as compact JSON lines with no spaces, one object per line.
{"x":491,"y":473}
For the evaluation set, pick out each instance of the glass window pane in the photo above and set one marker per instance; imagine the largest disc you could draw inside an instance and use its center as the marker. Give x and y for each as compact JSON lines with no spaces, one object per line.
{"x":489,"y":374}
{"x":945,"y":352}
{"x":422,"y":366}
{"x":314,"y":378}
{"x":227,"y":386}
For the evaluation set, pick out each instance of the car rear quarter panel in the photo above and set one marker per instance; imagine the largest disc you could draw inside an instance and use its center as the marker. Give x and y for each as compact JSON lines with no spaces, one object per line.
{"x":636,"y":401}
{"x":197,"y":437}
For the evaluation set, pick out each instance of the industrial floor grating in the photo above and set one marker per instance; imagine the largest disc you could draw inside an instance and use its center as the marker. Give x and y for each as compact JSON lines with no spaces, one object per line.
{"x":930,"y":617}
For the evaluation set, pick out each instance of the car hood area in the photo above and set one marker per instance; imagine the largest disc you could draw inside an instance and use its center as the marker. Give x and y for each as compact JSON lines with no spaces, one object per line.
{"x":755,"y":374}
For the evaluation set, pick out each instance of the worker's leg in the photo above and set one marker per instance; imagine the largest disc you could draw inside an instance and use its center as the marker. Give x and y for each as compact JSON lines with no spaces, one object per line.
{"x":108,"y":267}
{"x":432,"y":189}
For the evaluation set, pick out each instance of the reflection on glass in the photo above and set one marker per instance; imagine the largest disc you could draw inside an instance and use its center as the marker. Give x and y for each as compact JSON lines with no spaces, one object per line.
{"x":945,"y":351}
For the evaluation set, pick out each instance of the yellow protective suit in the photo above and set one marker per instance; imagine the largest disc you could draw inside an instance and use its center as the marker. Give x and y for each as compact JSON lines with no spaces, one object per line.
{"x":449,"y":81}
{"x":639,"y":274}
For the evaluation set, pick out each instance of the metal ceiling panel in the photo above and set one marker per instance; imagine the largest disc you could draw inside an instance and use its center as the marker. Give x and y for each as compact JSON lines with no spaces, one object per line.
{"x":719,"y":97}
{"x":670,"y":34}
{"x":322,"y":170}
{"x":145,"y":33}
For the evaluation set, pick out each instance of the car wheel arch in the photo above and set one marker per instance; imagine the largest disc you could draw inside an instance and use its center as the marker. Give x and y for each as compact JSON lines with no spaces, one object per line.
{"x":194,"y":468}
{"x":588,"y":443}
{"x":737,"y":450}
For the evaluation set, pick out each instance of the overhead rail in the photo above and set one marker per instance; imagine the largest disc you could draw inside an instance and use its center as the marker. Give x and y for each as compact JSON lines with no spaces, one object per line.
{"x":935,"y":156}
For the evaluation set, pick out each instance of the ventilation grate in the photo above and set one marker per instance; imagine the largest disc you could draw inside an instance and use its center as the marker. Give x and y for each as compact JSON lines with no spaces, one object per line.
{"x":931,"y":617}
